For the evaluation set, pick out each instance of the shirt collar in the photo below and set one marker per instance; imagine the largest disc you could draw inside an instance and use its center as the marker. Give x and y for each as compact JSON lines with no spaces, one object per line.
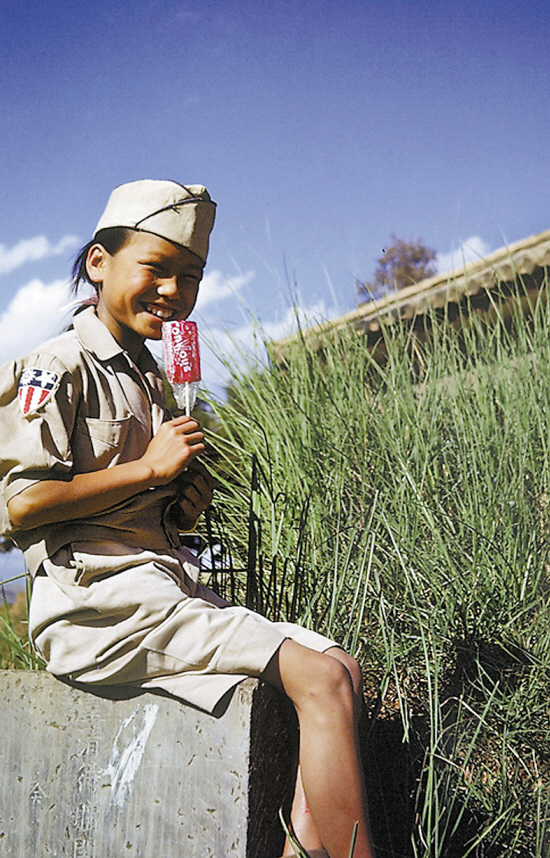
{"x":97,"y":338}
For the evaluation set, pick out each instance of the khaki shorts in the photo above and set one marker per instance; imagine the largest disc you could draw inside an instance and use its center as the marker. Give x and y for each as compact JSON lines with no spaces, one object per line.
{"x":103,"y":613}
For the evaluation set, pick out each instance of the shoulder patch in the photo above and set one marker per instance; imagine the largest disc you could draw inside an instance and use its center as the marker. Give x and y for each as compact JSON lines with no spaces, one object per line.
{"x":35,"y":388}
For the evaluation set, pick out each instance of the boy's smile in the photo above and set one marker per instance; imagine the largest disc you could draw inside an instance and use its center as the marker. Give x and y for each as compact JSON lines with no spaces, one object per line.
{"x":147,"y":282}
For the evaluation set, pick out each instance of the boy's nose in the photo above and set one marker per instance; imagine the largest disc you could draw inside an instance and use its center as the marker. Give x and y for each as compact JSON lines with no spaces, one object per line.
{"x":168,"y":287}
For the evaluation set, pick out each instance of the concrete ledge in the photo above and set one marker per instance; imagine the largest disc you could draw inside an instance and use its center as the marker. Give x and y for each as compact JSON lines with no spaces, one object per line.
{"x":89,"y":776}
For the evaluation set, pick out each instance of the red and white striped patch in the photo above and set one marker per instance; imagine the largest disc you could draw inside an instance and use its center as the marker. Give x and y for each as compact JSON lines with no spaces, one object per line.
{"x":35,"y":388}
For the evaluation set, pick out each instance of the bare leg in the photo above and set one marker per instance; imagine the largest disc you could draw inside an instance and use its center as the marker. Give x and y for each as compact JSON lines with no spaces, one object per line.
{"x":302,"y":822}
{"x":301,"y":818}
{"x":321,"y":686}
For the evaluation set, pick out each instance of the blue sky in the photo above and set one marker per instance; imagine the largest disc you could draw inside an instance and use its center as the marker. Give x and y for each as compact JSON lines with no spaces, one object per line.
{"x":320,"y":128}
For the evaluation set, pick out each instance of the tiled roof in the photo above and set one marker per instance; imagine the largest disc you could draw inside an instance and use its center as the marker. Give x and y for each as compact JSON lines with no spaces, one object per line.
{"x":479,"y":284}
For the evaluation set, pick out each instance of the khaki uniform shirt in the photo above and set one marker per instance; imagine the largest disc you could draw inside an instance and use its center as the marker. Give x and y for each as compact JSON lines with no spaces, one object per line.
{"x":80,"y":404}
{"x":114,"y":597}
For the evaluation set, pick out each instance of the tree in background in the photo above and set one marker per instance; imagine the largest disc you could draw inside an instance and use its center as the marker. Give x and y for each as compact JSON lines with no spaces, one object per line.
{"x":403,"y":263}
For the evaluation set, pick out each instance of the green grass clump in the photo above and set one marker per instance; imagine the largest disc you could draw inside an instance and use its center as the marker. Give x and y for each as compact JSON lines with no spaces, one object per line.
{"x":400,"y":503}
{"x":15,"y":647}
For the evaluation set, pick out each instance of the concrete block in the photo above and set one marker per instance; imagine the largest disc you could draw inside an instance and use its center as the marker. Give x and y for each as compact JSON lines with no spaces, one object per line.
{"x":91,"y":776}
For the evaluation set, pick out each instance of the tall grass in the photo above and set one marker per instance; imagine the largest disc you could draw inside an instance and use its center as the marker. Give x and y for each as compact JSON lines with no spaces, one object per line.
{"x":400,"y":503}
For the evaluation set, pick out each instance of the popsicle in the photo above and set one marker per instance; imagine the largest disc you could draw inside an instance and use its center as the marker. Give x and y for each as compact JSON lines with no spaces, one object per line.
{"x":182,"y":362}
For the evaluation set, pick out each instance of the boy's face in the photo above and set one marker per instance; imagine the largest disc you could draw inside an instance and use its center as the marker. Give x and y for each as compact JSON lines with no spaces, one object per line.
{"x":147,"y":282}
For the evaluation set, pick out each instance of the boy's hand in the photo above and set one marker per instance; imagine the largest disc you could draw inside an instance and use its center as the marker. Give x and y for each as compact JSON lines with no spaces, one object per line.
{"x":196,"y":489}
{"x":173,"y":448}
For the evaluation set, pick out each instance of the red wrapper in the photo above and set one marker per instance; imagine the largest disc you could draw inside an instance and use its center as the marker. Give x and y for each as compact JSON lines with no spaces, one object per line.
{"x":181,"y":352}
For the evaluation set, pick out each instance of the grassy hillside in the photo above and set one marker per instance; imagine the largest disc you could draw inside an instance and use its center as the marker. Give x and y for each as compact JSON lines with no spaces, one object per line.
{"x":404,"y":508}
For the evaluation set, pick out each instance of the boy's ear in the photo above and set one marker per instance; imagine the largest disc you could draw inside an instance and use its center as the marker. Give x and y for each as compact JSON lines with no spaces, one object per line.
{"x":95,"y":263}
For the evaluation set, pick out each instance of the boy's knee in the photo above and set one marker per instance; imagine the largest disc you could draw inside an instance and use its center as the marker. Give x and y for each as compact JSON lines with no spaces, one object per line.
{"x":314,"y":679}
{"x":332,"y":681}
{"x":351,"y":665}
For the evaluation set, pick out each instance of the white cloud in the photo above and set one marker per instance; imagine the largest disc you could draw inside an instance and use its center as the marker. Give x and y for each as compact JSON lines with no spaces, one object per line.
{"x":472,"y":249}
{"x":33,"y":249}
{"x":215,"y":287}
{"x":36,"y":312}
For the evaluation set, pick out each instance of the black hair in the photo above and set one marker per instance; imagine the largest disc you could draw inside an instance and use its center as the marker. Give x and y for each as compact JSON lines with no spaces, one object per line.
{"x":112,"y":239}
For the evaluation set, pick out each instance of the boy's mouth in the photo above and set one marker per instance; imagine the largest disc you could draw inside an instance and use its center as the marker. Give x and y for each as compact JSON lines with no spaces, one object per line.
{"x":162,"y":313}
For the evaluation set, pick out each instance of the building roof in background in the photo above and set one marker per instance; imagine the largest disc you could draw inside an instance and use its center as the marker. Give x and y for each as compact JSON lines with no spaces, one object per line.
{"x":481,"y":284}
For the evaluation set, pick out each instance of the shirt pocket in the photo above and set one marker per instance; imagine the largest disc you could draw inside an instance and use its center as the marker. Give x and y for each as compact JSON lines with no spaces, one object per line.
{"x":99,"y":443}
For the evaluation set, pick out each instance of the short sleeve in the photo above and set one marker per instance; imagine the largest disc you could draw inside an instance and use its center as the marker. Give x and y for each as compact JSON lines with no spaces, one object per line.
{"x":38,"y":403}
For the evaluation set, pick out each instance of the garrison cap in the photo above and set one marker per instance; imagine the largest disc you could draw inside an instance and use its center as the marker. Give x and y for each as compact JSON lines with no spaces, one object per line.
{"x":180,"y":213}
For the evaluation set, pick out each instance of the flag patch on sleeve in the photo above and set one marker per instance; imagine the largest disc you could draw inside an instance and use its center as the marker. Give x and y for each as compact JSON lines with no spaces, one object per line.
{"x":35,"y":388}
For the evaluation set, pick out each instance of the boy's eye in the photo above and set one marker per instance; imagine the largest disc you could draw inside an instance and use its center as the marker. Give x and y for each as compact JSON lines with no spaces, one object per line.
{"x":157,"y":269}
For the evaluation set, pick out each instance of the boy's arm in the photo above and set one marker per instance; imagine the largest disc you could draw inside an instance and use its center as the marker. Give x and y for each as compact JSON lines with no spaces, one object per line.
{"x":171,"y":450}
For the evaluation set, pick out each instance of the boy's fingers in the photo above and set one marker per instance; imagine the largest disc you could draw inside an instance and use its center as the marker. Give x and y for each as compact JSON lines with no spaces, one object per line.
{"x":197,"y":494}
{"x":197,"y":470}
